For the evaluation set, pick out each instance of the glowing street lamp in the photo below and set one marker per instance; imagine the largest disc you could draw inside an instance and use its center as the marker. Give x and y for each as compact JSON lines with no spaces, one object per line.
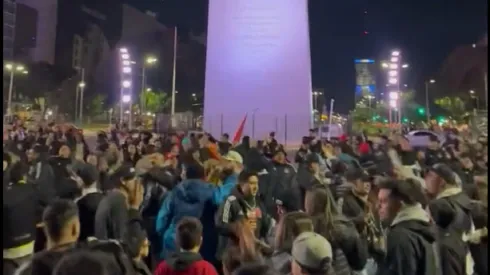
{"x":404,"y":66}
{"x":427,"y":107}
{"x":126,"y":84}
{"x":13,"y":69}
{"x":151,"y":60}
{"x":126,"y":98}
{"x":81,"y":84}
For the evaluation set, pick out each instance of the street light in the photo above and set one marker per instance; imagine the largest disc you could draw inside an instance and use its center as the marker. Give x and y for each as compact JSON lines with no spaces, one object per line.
{"x":404,"y":66}
{"x":126,"y":98}
{"x":315,"y":99}
{"x":427,"y":106}
{"x":13,"y":68}
{"x":150,"y":60}
{"x":126,"y":84}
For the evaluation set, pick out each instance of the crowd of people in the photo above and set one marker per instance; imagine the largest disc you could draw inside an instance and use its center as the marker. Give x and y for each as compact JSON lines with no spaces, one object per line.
{"x":189,"y":204}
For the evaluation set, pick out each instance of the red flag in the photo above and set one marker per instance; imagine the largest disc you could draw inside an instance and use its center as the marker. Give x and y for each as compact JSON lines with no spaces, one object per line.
{"x":239,"y":131}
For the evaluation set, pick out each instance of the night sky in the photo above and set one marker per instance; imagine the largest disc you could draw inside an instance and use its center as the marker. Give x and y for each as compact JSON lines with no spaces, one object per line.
{"x":426,"y":31}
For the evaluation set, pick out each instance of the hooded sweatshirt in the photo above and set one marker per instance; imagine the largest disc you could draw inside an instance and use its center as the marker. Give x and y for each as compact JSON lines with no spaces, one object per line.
{"x":411,"y":248}
{"x":185,"y":263}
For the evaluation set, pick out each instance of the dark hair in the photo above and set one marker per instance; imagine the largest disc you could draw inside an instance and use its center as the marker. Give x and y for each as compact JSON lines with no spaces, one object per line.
{"x":84,"y":262}
{"x":292,"y":224}
{"x":323,"y":211}
{"x":245,"y":175}
{"x":255,"y":269}
{"x":57,"y":215}
{"x":407,"y":191}
{"x":194,"y":171}
{"x":241,"y":246}
{"x":189,"y":233}
{"x":225,"y":135}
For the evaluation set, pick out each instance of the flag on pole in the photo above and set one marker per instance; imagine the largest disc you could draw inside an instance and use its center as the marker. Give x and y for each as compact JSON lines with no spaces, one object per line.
{"x":239,"y":131}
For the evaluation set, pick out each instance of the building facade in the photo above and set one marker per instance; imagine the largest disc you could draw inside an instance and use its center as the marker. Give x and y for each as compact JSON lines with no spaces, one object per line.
{"x":9,"y":11}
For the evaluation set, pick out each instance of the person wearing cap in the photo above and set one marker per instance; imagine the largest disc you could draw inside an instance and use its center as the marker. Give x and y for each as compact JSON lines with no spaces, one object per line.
{"x":434,"y":154}
{"x":442,"y":186}
{"x":311,"y":255}
{"x":119,"y":206}
{"x":282,"y":176}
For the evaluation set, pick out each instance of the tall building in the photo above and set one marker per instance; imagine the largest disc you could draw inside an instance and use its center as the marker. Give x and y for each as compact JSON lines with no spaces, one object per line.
{"x":9,"y":10}
{"x":365,"y":77}
{"x":25,"y":33}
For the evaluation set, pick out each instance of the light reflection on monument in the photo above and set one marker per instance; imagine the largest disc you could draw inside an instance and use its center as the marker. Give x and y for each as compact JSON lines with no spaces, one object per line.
{"x":258,"y":62}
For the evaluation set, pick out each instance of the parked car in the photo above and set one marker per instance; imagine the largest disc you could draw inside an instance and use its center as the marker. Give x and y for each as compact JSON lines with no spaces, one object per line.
{"x":421,"y":138}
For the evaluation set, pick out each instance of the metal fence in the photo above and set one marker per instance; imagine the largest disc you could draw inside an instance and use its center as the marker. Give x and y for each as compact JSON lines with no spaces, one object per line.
{"x":289,"y":129}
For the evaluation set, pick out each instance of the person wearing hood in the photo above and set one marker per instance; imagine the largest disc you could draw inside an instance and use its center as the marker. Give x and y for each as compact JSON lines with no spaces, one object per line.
{"x":243,"y":205}
{"x":442,"y":186}
{"x":410,"y":242}
{"x":187,"y":261}
{"x":188,"y":199}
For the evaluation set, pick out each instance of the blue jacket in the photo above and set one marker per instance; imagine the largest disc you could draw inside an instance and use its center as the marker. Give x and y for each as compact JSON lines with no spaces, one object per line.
{"x":188,"y":199}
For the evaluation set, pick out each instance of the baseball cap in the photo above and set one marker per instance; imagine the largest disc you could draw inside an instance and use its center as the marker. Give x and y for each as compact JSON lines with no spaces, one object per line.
{"x":444,"y":171}
{"x":126,"y":172}
{"x":312,"y":251}
{"x":286,"y":199}
{"x":233,"y":156}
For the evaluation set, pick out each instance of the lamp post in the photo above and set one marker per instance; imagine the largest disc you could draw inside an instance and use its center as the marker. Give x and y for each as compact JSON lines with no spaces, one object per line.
{"x":315,"y":99}
{"x":427,"y":107}
{"x":147,"y":62}
{"x":475,"y":97}
{"x":126,"y":84}
{"x":394,"y":66}
{"x":174,"y":71}
{"x":13,"y":69}
{"x":81,"y":86}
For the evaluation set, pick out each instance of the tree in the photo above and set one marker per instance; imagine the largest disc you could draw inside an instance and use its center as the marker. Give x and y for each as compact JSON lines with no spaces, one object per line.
{"x":154,"y":102}
{"x":96,"y":105}
{"x":454,"y":106}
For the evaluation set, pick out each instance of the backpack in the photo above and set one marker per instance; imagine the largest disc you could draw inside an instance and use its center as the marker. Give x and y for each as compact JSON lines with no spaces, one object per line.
{"x":123,"y":264}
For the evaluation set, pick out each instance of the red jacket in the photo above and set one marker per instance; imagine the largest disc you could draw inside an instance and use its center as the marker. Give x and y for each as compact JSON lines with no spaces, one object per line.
{"x":185,"y":263}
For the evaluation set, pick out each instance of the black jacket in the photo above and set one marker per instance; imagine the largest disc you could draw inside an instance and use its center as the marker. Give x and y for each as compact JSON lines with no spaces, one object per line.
{"x":280,"y":178}
{"x":87,"y":207}
{"x":411,"y":248}
{"x":452,"y":252}
{"x":42,"y":176}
